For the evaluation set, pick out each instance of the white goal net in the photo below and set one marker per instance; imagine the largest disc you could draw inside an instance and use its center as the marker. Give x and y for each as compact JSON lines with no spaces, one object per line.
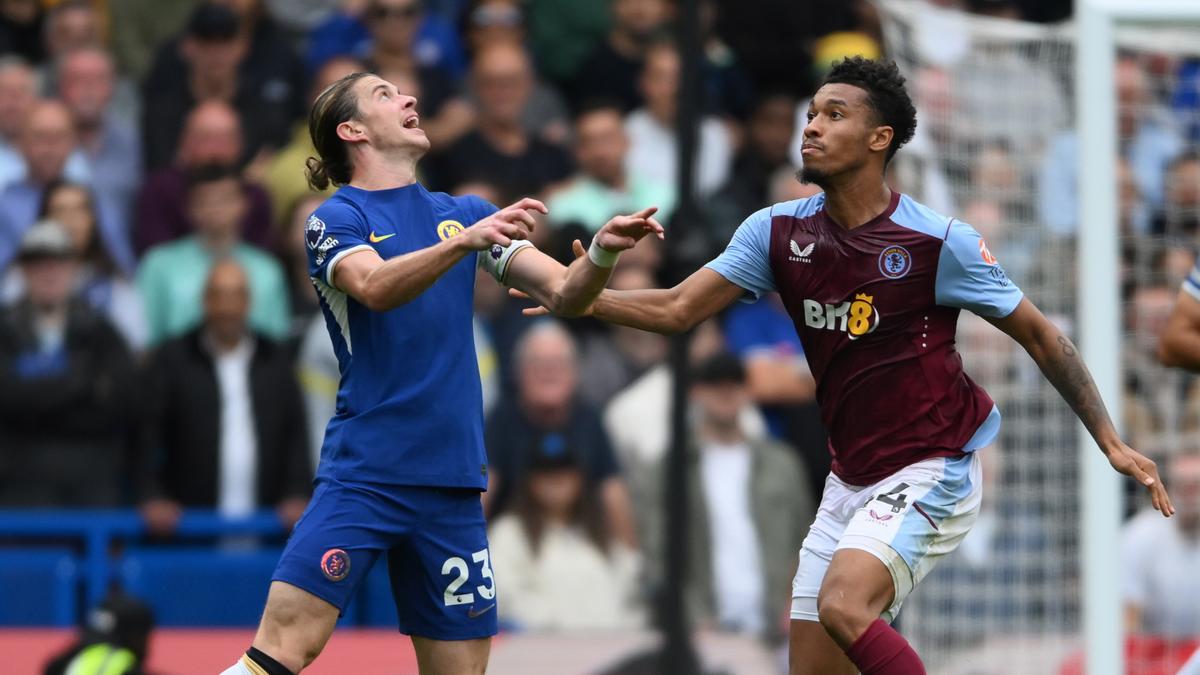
{"x":997,"y":148}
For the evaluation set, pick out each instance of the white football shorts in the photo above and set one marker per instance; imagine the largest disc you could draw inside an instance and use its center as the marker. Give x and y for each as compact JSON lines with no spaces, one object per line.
{"x":909,"y":521}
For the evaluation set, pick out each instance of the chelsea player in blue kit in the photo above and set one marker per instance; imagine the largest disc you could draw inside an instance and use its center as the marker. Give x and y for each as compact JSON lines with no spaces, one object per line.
{"x":403,"y":461}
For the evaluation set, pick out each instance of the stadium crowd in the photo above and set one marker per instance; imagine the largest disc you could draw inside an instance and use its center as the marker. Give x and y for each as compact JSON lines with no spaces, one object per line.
{"x":161,"y":344}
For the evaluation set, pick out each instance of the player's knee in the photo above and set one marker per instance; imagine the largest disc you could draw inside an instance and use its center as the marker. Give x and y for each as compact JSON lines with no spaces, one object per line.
{"x":843,"y":617}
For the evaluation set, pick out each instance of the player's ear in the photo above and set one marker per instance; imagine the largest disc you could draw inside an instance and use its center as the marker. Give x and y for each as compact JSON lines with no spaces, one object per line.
{"x":351,"y":131}
{"x":881,"y":138}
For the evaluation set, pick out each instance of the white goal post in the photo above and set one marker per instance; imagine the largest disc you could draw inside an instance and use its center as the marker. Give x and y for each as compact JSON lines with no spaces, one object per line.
{"x":1099,"y":302}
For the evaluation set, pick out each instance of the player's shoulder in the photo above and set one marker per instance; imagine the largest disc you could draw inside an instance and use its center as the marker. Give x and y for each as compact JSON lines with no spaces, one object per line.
{"x":796,"y":208}
{"x":469,"y":207}
{"x":914,"y":215}
{"x":342,"y":207}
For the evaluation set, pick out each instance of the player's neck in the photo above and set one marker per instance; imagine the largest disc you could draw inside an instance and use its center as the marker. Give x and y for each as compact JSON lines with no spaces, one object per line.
{"x":857,"y":199}
{"x":377,"y":172}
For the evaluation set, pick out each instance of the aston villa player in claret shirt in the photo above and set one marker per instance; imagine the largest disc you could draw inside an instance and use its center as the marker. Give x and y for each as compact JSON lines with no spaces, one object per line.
{"x":874,"y":282}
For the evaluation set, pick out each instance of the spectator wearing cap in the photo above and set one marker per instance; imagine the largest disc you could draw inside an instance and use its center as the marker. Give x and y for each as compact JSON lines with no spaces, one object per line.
{"x":47,"y":141}
{"x":67,"y":387}
{"x":213,"y":61}
{"x":554,"y":544}
{"x":172,"y":275}
{"x":212,"y":136}
{"x":547,"y":414}
{"x":113,"y":642}
{"x":225,"y":426}
{"x":750,"y":509}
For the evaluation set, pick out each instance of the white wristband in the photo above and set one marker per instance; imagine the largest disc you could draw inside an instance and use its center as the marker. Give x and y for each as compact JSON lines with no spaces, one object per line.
{"x":602,"y":257}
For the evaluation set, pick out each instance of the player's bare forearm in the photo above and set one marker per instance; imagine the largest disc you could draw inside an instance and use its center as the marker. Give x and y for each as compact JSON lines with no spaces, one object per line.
{"x":671,"y":310}
{"x":1063,"y":367}
{"x":385,"y":285}
{"x":580,"y":287}
{"x":1060,"y":362}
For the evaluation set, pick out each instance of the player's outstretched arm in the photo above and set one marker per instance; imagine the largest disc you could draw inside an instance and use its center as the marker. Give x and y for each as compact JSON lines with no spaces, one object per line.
{"x":385,"y":285}
{"x":1060,"y":362}
{"x":1180,"y":343}
{"x":658,"y":310}
{"x":568,"y":291}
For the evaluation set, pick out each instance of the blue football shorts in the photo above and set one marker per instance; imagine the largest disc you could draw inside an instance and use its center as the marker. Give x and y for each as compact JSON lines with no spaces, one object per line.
{"x":435,"y":540}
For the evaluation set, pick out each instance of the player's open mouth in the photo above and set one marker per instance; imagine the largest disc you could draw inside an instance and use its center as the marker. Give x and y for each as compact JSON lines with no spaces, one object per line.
{"x":412,"y":122}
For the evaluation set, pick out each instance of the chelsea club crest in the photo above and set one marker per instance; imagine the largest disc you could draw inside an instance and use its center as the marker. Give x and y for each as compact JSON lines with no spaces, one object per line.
{"x":894,"y":262}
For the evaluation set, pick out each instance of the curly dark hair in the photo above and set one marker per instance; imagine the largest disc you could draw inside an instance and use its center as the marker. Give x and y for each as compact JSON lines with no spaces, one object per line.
{"x":885,"y":92}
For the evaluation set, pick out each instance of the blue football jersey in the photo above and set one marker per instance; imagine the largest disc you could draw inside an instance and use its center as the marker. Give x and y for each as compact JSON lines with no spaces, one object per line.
{"x":409,"y":404}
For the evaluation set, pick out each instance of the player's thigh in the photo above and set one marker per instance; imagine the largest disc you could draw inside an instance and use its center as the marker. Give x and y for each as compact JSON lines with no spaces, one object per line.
{"x":856,"y":590}
{"x":915,"y":518}
{"x":442,"y":574}
{"x":812,"y":652}
{"x":295,"y":624}
{"x":452,"y":657}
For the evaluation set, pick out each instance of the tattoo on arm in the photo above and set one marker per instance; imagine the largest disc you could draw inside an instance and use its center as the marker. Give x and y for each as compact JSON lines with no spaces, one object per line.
{"x":1068,"y":349}
{"x":1069,"y":375}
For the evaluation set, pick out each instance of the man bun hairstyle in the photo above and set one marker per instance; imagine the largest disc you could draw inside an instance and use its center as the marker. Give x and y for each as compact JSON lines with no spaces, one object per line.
{"x":335,"y":105}
{"x":885,"y":93}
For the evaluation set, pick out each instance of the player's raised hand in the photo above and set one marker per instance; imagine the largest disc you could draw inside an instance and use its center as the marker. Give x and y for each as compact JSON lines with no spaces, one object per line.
{"x":1137,"y":466}
{"x":624,"y":232}
{"x":513,"y":222}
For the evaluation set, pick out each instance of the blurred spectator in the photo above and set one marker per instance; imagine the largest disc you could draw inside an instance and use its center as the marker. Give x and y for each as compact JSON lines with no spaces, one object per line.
{"x":212,"y":136}
{"x":141,"y":27}
{"x":47,"y":140}
{"x":223,"y":56}
{"x":1159,"y":557}
{"x":1185,"y":98}
{"x":172,"y":275}
{"x":604,"y":186}
{"x":72,"y":25}
{"x":18,"y":93}
{"x":320,"y":374}
{"x":67,"y":387}
{"x":109,"y":143}
{"x":769,"y":133}
{"x":21,"y":24}
{"x":1149,"y":142}
{"x":101,"y":283}
{"x":728,"y":91}
{"x":113,"y":642}
{"x":613,"y":358}
{"x":546,"y":413}
{"x":499,"y":150}
{"x":751,"y":510}
{"x":284,"y":177}
{"x":773,"y":41}
{"x":357,"y":25}
{"x":564,"y":34}
{"x":638,"y":418}
{"x":553,"y":544}
{"x":1180,"y":215}
{"x":652,"y":129}
{"x":226,"y":427}
{"x":613,"y":69}
{"x":491,"y":22}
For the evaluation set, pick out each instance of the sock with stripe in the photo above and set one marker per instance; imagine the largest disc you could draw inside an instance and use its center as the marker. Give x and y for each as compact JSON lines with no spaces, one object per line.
{"x":254,"y":662}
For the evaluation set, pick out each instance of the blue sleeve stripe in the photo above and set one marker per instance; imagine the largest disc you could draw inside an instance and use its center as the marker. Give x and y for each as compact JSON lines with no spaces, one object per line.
{"x":1192,"y":286}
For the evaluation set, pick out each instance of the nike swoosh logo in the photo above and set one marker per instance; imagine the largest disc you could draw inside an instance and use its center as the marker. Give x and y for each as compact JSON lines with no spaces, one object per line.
{"x":475,"y":614}
{"x":375,"y":239}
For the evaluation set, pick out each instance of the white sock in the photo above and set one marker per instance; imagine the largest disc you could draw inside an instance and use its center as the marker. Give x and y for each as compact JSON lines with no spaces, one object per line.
{"x":238,"y":668}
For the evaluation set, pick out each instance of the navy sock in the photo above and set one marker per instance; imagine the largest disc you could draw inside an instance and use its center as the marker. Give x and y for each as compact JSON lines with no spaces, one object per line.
{"x":267,"y":663}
